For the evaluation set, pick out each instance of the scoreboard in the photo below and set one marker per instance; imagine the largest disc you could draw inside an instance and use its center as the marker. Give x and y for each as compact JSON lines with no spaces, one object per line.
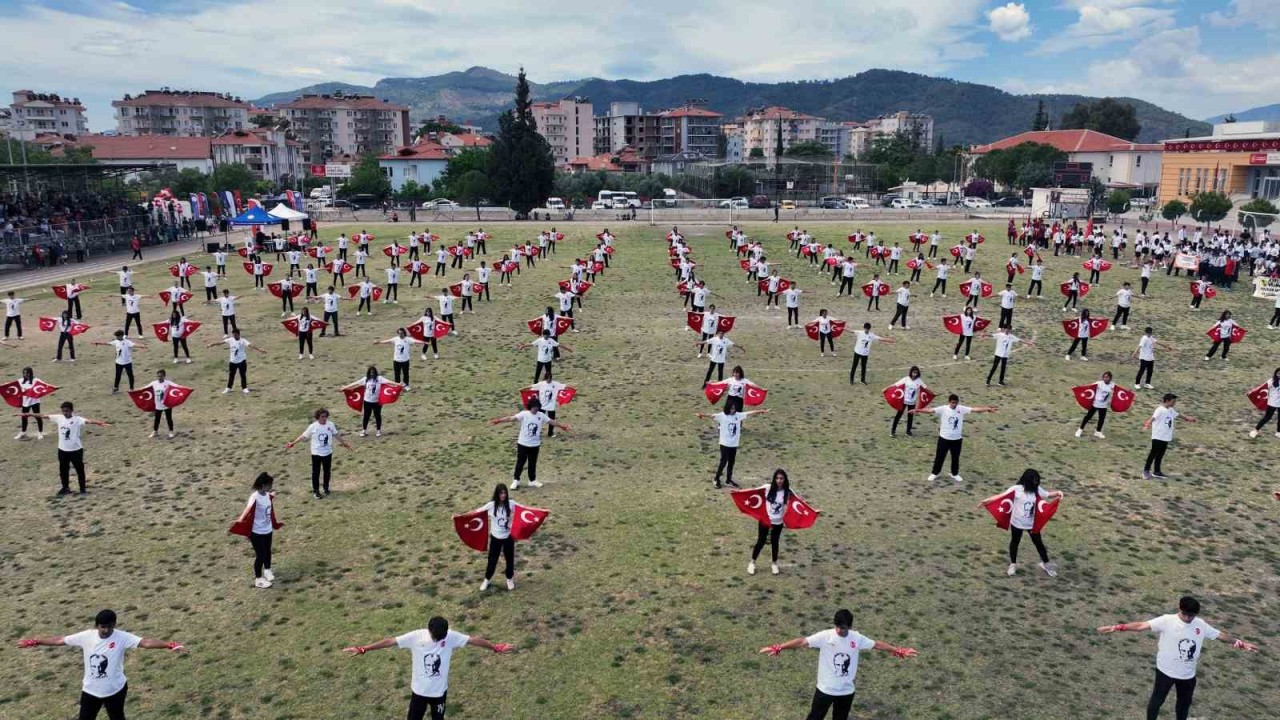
{"x":1072,"y":174}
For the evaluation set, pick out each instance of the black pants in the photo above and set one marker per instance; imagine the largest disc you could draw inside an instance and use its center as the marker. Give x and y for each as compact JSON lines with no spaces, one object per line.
{"x":859,"y":361}
{"x":360,"y":271}
{"x":68,"y":459}
{"x":64,"y":338}
{"x":126,"y":369}
{"x":972,"y":299}
{"x":114,"y":705}
{"x":440,"y":269}
{"x":1155,"y":456}
{"x":134,"y":319}
{"x":898,"y":416}
{"x":873,"y":300}
{"x":73,"y":306}
{"x":366,"y":303}
{"x":419,"y":706}
{"x":946,"y":446}
{"x":401,"y":367}
{"x":915,"y":274}
{"x":1143,"y":290}
{"x":966,"y":341}
{"x":727,"y":457}
{"x":899,"y":312}
{"x":228,"y":324}
{"x":1225,"y":343}
{"x":304,"y":340}
{"x":526,"y":455}
{"x":1147,"y":367}
{"x":1073,"y":299}
{"x":331,"y":320}
{"x":1266,"y":418}
{"x":259,"y":281}
{"x":1094,"y":277}
{"x":839,"y":705}
{"x":1015,"y":537}
{"x":242,"y":368}
{"x":1082,"y":343}
{"x":718,"y":368}
{"x":466,"y":305}
{"x":997,"y":362}
{"x":1102,"y":417}
{"x":506,"y":548}
{"x":180,"y":343}
{"x":1006,"y":317}
{"x":939,"y":283}
{"x":393,"y":293}
{"x":825,"y":339}
{"x":435,"y":349}
{"x":311,"y":290}
{"x":537,"y":370}
{"x":339,"y":279}
{"x":1036,"y":287}
{"x":772,"y":533}
{"x":321,"y":465}
{"x":415,"y":279}
{"x":168,"y":418}
{"x":17,"y":322}
{"x":893,"y":266}
{"x":374,"y":410}
{"x":261,"y":543}
{"x":846,"y":283}
{"x":1121,"y":316}
{"x":484,"y":291}
{"x":286,"y":301}
{"x":793,"y":316}
{"x":1160,"y":691}
{"x":32,"y":410}
{"x":933,"y":251}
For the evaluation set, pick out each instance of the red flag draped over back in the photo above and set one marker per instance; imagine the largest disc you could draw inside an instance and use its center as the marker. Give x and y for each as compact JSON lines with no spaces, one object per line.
{"x":473,"y":529}
{"x":1122,"y":399}
{"x":751,"y":502}
{"x":1084,"y":395}
{"x":725,"y":323}
{"x":354,"y":397}
{"x":389,"y":393}
{"x":525,"y":521}
{"x":12,"y":393}
{"x":714,"y":391}
{"x":1045,"y":510}
{"x":144,"y":398}
{"x":799,"y":514}
{"x":1257,"y":396}
{"x":1001,"y":509}
{"x":563,"y":324}
{"x":176,"y":395}
{"x":1215,"y":333}
{"x":753,"y":395}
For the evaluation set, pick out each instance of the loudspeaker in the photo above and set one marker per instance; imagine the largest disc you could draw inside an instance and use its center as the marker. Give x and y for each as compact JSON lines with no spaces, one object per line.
{"x":284,"y":225}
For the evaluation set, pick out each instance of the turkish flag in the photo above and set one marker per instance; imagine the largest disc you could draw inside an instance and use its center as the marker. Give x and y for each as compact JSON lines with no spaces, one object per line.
{"x":916,"y":239}
{"x":598,"y":267}
{"x":473,"y":529}
{"x":354,"y":397}
{"x":1044,"y":512}
{"x":1011,"y":266}
{"x":276,"y":289}
{"x":884,"y":289}
{"x":1001,"y":509}
{"x":417,"y":331}
{"x":563,"y":324}
{"x":714,"y":391}
{"x":754,"y":395}
{"x":292,"y":325}
{"x":1215,"y":333}
{"x":856,"y":238}
{"x":913,"y":264}
{"x":751,"y":502}
{"x":1257,"y":396}
{"x":837,"y":329}
{"x":266,"y":268}
{"x":799,"y":514}
{"x":1097,"y":326}
{"x":12,"y":393}
{"x":806,"y":251}
{"x":745,"y":265}
{"x":343,"y":266}
{"x":39,"y":389}
{"x":725,"y":323}
{"x":48,"y":324}
{"x":833,"y":261}
{"x":397,"y":250}
{"x":1084,"y":288}
{"x":681,"y":287}
{"x":583,"y":287}
{"x":144,"y":398}
{"x":535,"y":325}
{"x":174,"y":269}
{"x":566,"y":395}
{"x":1030,"y":252}
{"x":600,"y":235}
{"x":318,"y":250}
{"x":954,"y":325}
{"x":162,"y":329}
{"x":244,"y":252}
{"x":456,"y":289}
{"x":783,"y":285}
{"x":1210,"y":292}
{"x":895,"y":394}
{"x":1122,"y":399}
{"x":965,"y":290}
{"x":878,"y":251}
{"x":507,"y":267}
{"x":166,"y":297}
{"x":176,"y":395}
{"x":61,"y":290}
{"x":955,"y":251}
{"x":1102,"y":265}
{"x":742,"y":250}
{"x":535,"y":251}
{"x":389,"y":392}
{"x":608,"y":250}
{"x":375,"y":293}
{"x":525,"y":521}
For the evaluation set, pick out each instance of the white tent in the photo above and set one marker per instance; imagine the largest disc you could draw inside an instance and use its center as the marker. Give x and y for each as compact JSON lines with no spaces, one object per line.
{"x":284,"y":212}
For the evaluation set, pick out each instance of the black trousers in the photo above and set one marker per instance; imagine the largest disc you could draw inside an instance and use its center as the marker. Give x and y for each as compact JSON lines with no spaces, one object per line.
{"x":1073,"y":299}
{"x":321,"y":466}
{"x":1160,"y":691}
{"x":873,"y":300}
{"x":1266,"y":418}
{"x":419,"y":706}
{"x":944,"y":448}
{"x":966,"y":341}
{"x":1102,"y":417}
{"x":899,"y":312}
{"x":859,"y":361}
{"x":466,"y":305}
{"x":228,"y":324}
{"x":839,"y":705}
{"x":17,"y":322}
{"x":505,"y":547}
{"x":114,"y":705}
{"x":537,"y":370}
{"x":898,"y":416}
{"x":241,"y":368}
{"x":793,"y":316}
{"x":1225,"y":343}
{"x":374,"y":410}
{"x":286,"y":301}
{"x":939,"y":283}
{"x":718,"y":368}
{"x":65,"y":338}
{"x":727,"y":457}
{"x":1006,"y":317}
{"x":311,"y":289}
{"x":32,"y":410}
{"x":135,"y":319}
{"x":527,"y":455}
{"x":1121,"y":316}
{"x":825,"y":339}
{"x":771,"y":533}
{"x":1082,"y":343}
{"x":440,"y":269}
{"x":392,"y":293}
{"x":846,"y":283}
{"x":1147,"y":367}
{"x":1143,"y":290}
{"x":304,"y":340}
{"x":1036,"y":287}
{"x":401,"y":367}
{"x":155,"y":418}
{"x":261,"y":543}
{"x":126,"y":369}
{"x":1155,"y":456}
{"x":73,"y":306}
{"x":339,"y":279}
{"x":997,"y":362}
{"x":68,"y":459}
{"x":366,"y":303}
{"x":180,"y":343}
{"x":331,"y":320}
{"x":1015,"y":538}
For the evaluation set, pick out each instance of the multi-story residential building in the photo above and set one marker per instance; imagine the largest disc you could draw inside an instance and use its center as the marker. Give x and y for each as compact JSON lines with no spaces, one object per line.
{"x":860,"y":137}
{"x":733,"y":150}
{"x":268,"y":154}
{"x":835,"y":136}
{"x":690,"y":130}
{"x":627,"y":125}
{"x":337,"y":124}
{"x":568,"y":126}
{"x":760,"y":129}
{"x":916,"y":126}
{"x":180,"y":113}
{"x":33,"y":114}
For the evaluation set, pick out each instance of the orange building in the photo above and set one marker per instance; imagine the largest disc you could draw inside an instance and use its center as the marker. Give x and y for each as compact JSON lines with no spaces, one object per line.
{"x":1240,"y":159}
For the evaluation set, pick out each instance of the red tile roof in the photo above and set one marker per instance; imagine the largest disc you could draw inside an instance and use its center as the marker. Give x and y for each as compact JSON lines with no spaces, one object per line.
{"x":773,"y":111}
{"x":470,"y":139}
{"x":1070,"y":141}
{"x":256,"y":137}
{"x":605,"y":161}
{"x":344,"y":102}
{"x":421,"y":151}
{"x":153,"y":98}
{"x":143,"y":147}
{"x":690,"y":112}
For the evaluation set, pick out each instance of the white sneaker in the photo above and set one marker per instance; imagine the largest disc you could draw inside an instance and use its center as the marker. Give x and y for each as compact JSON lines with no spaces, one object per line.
{"x":774,"y":568}
{"x":1012,"y":569}
{"x":955,"y":357}
{"x":511,"y":584}
{"x":299,"y":356}
{"x":175,"y":360}
{"x":23,"y":434}
{"x":39,"y":436}
{"x":535,"y":483}
{"x":1079,"y":432}
{"x":152,"y":435}
{"x":1067,"y":358}
{"x":1149,"y":386}
{"x":966,"y":357}
{"x":751,"y":568}
{"x":1098,"y":434}
{"x":1252,"y":434}
{"x":1084,"y":358}
{"x":484,"y":586}
{"x":226,"y":390}
{"x":262,"y":583}
{"x":515,"y":484}
{"x":377,"y":433}
{"x":957,"y":478}
{"x":188,"y":361}
{"x":1049,"y":569}
{"x":932,"y":478}
{"x":436,"y":356}
{"x":245,"y":390}
{"x":424,"y":356}
{"x":310,"y":356}
{"x":171,"y":436}
{"x":1278,"y":434}
{"x":363,"y":433}
{"x":270,"y":576}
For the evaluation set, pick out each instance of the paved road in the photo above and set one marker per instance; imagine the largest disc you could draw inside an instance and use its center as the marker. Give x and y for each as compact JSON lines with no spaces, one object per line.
{"x":93,"y":269}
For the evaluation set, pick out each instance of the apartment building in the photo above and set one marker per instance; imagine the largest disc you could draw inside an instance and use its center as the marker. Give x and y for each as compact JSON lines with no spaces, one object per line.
{"x":338,"y":124}
{"x":33,"y":113}
{"x":267,"y":153}
{"x":625,"y":126}
{"x":180,"y":113}
{"x":568,"y":126}
{"x":689,"y":130}
{"x":917,"y":126}
{"x":760,"y":129}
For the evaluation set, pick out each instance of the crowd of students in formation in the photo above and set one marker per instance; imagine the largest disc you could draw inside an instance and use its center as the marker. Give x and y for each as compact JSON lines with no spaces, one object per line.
{"x":1025,"y":507}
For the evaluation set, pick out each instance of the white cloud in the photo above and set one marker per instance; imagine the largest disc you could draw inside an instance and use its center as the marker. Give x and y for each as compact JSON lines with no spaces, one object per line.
{"x":1261,"y":13}
{"x":1010,"y":22}
{"x":232,"y":47}
{"x":1102,"y":22}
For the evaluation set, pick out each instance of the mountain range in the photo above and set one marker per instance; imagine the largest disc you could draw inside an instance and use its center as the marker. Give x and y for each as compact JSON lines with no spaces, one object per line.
{"x":1266,"y":112}
{"x":963,"y":113}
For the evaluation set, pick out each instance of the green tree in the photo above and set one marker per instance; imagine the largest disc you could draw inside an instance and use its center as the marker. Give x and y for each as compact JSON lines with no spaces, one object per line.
{"x":1041,"y":120}
{"x":734,"y":180}
{"x":1032,"y":174}
{"x":436,"y":126}
{"x":189,"y":180}
{"x":756,"y":153}
{"x":472,"y":188}
{"x":1266,"y":213}
{"x":1106,"y":115}
{"x":1173,"y":210}
{"x":263,"y":120}
{"x":1118,"y":201}
{"x":412,"y":192}
{"x":1210,"y":206}
{"x":461,"y":164}
{"x":1007,"y":165}
{"x":808,"y":149}
{"x":232,"y":176}
{"x":521,"y":169}
{"x":367,"y":178}
{"x":892,"y":150}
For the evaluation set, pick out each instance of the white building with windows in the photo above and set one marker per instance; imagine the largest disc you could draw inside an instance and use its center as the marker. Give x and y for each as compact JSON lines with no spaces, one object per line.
{"x":268,"y":154}
{"x":33,"y":113}
{"x":1116,"y":163}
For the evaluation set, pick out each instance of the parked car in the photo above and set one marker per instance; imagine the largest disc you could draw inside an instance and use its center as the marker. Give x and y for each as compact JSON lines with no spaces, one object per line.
{"x":555,"y":204}
{"x":975,"y":202}
{"x":788,"y":205}
{"x":1141,"y":202}
{"x":1009,"y":202}
{"x":887,"y":199}
{"x":365,"y":202}
{"x":735,"y":203}
{"x":935,"y":202}
{"x":759,"y":202}
{"x":833,"y":203}
{"x":439,"y":204}
{"x":319,"y":192}
{"x":858,"y":204}
{"x":902,"y":203}
{"x":600,"y":205}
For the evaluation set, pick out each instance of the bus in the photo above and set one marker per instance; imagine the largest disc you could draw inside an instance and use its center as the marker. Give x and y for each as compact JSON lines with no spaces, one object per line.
{"x":618,"y":199}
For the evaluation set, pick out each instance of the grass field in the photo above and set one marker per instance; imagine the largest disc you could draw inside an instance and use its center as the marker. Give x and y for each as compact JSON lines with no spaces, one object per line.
{"x":633,"y":600}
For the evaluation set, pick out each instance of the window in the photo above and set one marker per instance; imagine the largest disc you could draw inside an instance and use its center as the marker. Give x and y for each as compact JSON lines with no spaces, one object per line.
{"x":1137,"y":161}
{"x":1111,"y":160}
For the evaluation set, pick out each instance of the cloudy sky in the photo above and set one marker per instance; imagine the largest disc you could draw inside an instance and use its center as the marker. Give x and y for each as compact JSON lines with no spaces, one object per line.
{"x":1198,"y":57}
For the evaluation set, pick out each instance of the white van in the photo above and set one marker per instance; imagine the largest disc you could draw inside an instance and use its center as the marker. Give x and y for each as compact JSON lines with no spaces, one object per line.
{"x":556,"y":204}
{"x":669,"y":197}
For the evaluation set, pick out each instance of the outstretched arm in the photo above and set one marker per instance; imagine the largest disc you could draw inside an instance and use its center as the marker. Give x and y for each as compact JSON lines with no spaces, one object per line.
{"x":1125,"y":627}
{"x":984,"y":408}
{"x":502,"y":420}
{"x":776,"y":649}
{"x":26,"y":643}
{"x":382,"y":644}
{"x":148,"y":644}
{"x":500,"y":648}
{"x":900,"y":652}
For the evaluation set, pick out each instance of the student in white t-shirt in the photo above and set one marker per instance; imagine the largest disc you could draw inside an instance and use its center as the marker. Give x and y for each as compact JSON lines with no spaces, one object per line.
{"x":1179,"y":649}
{"x":159,"y":387}
{"x":70,"y":448}
{"x":1005,"y":340}
{"x":825,"y":337}
{"x":124,"y":348}
{"x":529,"y":438}
{"x":1037,"y":280}
{"x":1225,"y":326}
{"x":227,"y":304}
{"x":1124,"y":303}
{"x":862,"y":350}
{"x":718,"y":352}
{"x":1161,"y":426}
{"x":911,"y":386}
{"x":323,"y":435}
{"x":104,"y":684}
{"x":549,"y":396}
{"x":546,"y":348}
{"x":501,"y":511}
{"x":951,"y":432}
{"x":13,"y":314}
{"x":1103,"y":391}
{"x":904,"y":302}
{"x":730,"y":425}
{"x":1146,"y":355}
{"x":777,"y":495}
{"x":330,"y":300}
{"x":1027,"y":494}
{"x":1081,"y":340}
{"x":431,"y":649}
{"x":371,"y":387}
{"x":1273,"y":405}
{"x":132,"y":302}
{"x":403,"y":346}
{"x":238,"y":360}
{"x":258,"y":523}
{"x":838,"y":651}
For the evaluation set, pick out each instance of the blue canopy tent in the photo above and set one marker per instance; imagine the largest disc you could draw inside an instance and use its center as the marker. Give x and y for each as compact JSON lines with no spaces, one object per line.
{"x":255,"y":216}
